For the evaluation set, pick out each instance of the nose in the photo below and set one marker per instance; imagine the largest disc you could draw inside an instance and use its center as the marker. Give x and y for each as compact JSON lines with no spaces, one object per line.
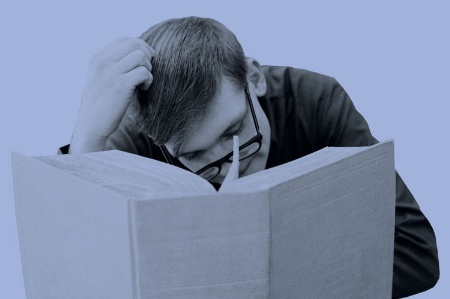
{"x":230,"y":170}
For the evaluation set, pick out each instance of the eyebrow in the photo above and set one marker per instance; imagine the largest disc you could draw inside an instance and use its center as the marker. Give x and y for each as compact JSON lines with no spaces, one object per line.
{"x":234,"y":121}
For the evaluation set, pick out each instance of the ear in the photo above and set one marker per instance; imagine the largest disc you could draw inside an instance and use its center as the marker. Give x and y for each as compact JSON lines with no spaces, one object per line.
{"x":255,"y":76}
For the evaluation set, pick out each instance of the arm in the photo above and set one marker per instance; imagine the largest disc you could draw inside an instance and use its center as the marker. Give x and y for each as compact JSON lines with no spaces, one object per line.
{"x":113,"y":76}
{"x":416,"y":266}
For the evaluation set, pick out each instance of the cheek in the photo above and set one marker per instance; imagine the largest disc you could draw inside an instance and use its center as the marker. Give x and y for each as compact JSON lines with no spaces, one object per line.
{"x":205,"y":158}
{"x":252,"y":165}
{"x":191,"y":165}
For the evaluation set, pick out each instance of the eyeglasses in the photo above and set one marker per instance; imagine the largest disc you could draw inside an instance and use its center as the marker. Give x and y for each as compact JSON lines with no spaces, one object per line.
{"x":248,"y":149}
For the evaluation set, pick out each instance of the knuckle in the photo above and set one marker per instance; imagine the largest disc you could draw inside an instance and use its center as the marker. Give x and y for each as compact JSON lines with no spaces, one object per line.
{"x":124,"y":80}
{"x":140,"y":57}
{"x":133,"y":77}
{"x":98,"y":62}
{"x":139,"y":42}
{"x":134,"y":43}
{"x":143,"y":72}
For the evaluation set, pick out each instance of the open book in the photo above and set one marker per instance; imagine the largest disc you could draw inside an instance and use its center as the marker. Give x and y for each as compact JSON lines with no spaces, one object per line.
{"x":116,"y":225}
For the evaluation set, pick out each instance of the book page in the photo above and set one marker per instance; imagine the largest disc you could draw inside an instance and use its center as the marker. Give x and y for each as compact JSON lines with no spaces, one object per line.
{"x":339,"y":221}
{"x":269,"y":178}
{"x":130,"y":174}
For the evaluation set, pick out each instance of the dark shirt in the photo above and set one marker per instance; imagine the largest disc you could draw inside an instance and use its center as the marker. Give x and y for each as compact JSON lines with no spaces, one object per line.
{"x":308,"y":111}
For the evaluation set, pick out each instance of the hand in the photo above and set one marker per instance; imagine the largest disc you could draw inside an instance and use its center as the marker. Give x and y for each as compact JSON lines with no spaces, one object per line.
{"x":113,"y":76}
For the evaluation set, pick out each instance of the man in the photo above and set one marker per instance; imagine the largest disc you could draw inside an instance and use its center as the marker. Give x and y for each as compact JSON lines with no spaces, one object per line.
{"x":181,"y":91}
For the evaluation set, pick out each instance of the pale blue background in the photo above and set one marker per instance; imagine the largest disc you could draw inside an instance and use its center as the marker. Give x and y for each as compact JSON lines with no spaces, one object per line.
{"x":392,"y":57}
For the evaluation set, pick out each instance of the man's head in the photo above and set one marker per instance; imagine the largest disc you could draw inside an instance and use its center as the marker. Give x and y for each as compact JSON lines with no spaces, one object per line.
{"x":193,"y":55}
{"x":197,"y":98}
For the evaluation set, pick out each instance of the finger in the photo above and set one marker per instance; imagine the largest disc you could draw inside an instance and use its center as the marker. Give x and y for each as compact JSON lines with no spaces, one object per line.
{"x":126,"y":47}
{"x":139,"y":76}
{"x":113,"y":45}
{"x":150,"y":48}
{"x":133,"y":60}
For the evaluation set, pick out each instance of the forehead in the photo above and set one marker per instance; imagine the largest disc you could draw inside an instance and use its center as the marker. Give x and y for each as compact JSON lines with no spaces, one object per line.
{"x":227,"y":107}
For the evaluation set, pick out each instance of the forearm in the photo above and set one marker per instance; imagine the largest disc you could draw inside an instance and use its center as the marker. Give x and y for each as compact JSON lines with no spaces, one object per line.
{"x":85,"y":141}
{"x":114,"y":75}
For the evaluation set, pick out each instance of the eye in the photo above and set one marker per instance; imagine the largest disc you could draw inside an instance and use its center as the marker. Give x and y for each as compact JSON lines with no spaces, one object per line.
{"x":192,"y":156}
{"x":235,"y":132}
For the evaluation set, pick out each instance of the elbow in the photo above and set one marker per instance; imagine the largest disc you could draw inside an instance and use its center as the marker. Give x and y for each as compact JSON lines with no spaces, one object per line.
{"x":413,"y":276}
{"x":433,"y":275}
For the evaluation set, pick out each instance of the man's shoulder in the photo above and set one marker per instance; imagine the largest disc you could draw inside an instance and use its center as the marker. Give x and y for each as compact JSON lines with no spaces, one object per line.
{"x":293,"y":73}
{"x":286,"y":80}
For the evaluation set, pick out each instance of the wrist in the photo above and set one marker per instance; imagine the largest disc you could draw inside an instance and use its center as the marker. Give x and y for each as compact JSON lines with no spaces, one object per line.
{"x":84,"y":141}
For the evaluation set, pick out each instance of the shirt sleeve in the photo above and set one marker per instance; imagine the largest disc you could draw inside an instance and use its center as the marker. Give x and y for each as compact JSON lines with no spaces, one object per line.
{"x":63,"y":150}
{"x":416,"y":266}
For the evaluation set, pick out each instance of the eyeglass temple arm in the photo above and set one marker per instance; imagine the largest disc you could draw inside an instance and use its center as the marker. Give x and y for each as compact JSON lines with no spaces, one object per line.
{"x":166,"y":154}
{"x":252,"y":109}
